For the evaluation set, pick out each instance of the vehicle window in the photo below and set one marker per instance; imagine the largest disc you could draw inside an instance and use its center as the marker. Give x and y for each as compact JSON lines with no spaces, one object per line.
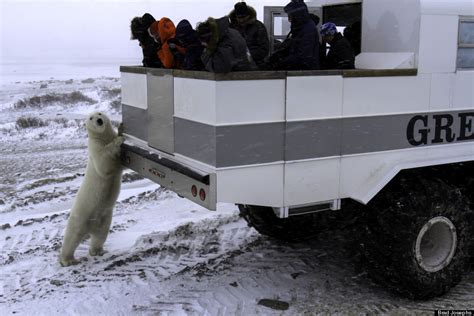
{"x":281,"y":26}
{"x":466,"y":44}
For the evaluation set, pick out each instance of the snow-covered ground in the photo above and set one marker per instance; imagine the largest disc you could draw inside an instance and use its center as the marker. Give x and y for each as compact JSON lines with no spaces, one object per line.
{"x":166,"y":255}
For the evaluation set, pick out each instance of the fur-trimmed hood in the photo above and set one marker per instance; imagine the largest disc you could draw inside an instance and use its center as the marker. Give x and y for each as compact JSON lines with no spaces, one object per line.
{"x":139,"y":27}
{"x":218,"y":29}
{"x":251,"y":19}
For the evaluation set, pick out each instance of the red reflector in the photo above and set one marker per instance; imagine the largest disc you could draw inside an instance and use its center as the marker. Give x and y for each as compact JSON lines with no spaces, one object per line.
{"x":202,"y":194}
{"x":194,"y":190}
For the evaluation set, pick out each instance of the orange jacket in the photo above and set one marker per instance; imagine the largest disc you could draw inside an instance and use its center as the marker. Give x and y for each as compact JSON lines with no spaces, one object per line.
{"x":165,"y":30}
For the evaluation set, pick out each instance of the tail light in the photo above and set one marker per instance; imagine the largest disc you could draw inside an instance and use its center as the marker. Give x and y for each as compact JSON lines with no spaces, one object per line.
{"x":194,"y":190}
{"x":202,"y":194}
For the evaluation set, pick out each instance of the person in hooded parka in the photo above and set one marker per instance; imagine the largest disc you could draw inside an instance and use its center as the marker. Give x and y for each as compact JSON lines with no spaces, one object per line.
{"x":139,"y":29}
{"x":300,"y":50}
{"x":188,"y":48}
{"x":163,"y":31}
{"x":225,"y":49}
{"x":244,"y":19}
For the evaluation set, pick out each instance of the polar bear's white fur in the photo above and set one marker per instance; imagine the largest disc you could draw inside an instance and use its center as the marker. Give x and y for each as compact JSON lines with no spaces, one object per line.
{"x":92,"y":210}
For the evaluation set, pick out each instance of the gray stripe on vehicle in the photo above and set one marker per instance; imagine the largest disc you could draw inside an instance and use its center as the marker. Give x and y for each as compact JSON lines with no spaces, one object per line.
{"x":195,"y":140}
{"x":233,"y":145}
{"x":135,"y":121}
{"x":251,"y":144}
{"x":312,"y":139}
{"x":378,"y":133}
{"x":335,"y":137}
{"x":224,"y":146}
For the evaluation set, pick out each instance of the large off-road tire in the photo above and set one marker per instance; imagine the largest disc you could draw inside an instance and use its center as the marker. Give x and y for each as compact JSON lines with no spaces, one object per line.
{"x":418,"y":235}
{"x":293,"y":229}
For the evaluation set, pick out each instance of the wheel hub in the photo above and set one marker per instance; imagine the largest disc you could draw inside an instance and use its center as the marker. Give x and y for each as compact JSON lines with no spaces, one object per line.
{"x":436,"y":244}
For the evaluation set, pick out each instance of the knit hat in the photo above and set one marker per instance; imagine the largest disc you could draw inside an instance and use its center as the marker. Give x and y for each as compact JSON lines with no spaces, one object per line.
{"x":241,"y":9}
{"x":328,"y":29}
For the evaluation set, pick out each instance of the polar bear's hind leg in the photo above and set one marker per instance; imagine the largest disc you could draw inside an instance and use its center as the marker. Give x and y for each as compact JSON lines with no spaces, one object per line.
{"x":72,"y":239}
{"x":99,"y":235}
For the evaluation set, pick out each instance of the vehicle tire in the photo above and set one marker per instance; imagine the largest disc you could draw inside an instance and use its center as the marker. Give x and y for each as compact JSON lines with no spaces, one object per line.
{"x":417,"y":236}
{"x":293,"y":229}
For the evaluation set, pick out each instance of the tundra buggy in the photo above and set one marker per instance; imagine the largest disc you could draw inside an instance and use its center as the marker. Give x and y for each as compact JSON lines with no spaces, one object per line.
{"x":396,"y":135}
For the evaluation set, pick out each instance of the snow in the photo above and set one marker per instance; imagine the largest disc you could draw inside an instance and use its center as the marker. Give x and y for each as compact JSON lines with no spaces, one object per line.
{"x":14,"y":72}
{"x":165,"y":255}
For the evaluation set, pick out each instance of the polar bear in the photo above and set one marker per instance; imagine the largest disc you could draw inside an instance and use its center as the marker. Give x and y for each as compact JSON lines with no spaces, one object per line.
{"x":92,"y":209}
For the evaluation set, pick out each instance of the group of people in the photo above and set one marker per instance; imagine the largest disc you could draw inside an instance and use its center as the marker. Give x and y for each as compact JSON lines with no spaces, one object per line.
{"x":239,"y":42}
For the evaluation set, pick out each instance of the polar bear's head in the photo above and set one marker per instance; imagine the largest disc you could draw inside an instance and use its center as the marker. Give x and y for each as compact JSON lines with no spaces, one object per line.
{"x":98,"y":124}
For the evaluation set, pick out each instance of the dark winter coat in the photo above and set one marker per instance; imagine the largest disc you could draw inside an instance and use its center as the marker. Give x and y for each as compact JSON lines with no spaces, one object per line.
{"x":340,"y":55}
{"x":150,"y":58}
{"x":139,"y":29}
{"x":353,"y":33}
{"x":300,"y":51}
{"x":187,"y":38}
{"x":254,"y":33}
{"x":227,"y":50}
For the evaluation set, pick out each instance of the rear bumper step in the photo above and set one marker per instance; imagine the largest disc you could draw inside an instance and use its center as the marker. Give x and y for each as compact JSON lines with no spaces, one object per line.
{"x":173,"y":165}
{"x":172,"y":175}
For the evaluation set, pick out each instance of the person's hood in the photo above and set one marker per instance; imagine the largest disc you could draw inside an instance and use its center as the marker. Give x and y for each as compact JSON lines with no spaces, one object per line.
{"x":218,"y":27}
{"x":251,"y":19}
{"x":147,"y":20}
{"x":166,"y":29}
{"x":223,"y":25}
{"x":183,"y":28}
{"x":298,"y":11}
{"x":185,"y":32}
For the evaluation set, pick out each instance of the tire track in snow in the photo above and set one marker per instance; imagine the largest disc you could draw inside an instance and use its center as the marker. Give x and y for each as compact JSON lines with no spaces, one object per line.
{"x":315,"y":277}
{"x":153,"y":258}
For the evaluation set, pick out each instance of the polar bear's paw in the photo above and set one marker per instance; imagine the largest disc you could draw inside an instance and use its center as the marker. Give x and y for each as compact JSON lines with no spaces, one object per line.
{"x":68,"y":262}
{"x":96,"y":252}
{"x":114,"y":147}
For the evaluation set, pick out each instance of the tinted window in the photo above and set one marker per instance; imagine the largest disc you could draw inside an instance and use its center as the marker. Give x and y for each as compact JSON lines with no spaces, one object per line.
{"x":466,"y":57}
{"x":466,"y":33}
{"x":466,"y":45}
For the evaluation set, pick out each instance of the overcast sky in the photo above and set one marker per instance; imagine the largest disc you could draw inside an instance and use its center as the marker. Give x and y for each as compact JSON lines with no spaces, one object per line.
{"x":93,"y":30}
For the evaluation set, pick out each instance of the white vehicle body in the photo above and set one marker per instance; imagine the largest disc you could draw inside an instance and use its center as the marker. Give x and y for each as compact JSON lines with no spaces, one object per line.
{"x":292,"y":139}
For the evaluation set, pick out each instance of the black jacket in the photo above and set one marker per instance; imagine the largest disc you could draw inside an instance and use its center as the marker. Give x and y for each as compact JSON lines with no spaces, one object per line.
{"x":300,"y":51}
{"x":150,"y":57}
{"x":340,"y":55}
{"x":255,"y":35}
{"x":227,"y":50}
{"x":139,"y":28}
{"x":187,"y":38}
